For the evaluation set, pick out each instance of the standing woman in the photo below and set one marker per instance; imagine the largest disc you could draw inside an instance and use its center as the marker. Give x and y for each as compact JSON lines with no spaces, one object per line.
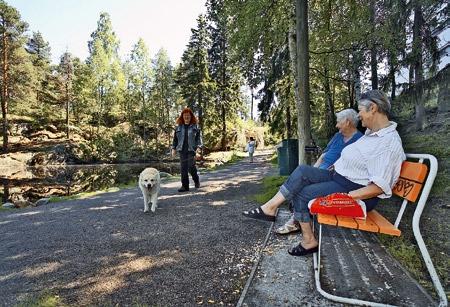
{"x":186,"y":141}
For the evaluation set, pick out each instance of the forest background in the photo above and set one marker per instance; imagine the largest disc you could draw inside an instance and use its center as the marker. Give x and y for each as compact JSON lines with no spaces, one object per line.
{"x":115,"y":110}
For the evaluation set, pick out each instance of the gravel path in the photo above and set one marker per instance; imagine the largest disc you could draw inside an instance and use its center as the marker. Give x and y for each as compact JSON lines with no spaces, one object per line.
{"x":197,"y":249}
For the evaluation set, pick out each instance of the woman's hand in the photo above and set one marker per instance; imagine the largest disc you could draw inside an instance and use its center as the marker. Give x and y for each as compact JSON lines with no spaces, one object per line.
{"x":173,"y":153}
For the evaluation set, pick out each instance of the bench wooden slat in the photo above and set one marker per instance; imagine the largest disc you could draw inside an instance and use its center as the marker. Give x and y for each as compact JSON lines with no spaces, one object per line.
{"x":407,"y":189}
{"x":414,"y":171}
{"x":367,"y":225}
{"x":385,"y":226}
{"x":326,"y":219}
{"x":409,"y":184}
{"x":345,"y":221}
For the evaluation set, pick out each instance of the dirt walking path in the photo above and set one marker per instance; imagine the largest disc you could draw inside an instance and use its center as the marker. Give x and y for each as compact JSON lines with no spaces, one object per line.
{"x":195,"y":250}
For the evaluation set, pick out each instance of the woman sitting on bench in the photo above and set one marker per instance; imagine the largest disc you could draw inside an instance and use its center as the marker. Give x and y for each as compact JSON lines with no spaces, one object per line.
{"x":367,"y":170}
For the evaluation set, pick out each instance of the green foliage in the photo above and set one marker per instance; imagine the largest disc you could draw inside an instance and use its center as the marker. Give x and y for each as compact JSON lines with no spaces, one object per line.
{"x":108,"y":80}
{"x":45,"y":299}
{"x":271,"y":185}
{"x":407,"y":254}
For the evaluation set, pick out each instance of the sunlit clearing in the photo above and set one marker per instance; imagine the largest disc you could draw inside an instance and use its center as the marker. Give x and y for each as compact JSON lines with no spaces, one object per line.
{"x":42,"y":269}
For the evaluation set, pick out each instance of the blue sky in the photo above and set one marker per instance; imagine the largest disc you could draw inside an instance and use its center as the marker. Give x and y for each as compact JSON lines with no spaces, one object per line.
{"x":68,"y":24}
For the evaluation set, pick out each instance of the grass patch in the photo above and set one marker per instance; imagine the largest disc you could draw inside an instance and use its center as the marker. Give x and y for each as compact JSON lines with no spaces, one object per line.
{"x":82,"y":195}
{"x":219,"y":160}
{"x":271,"y":185}
{"x":409,"y":256}
{"x":406,"y":253}
{"x":274,"y":159}
{"x":44,"y":300}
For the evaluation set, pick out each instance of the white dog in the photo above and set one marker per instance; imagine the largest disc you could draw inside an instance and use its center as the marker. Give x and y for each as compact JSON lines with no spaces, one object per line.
{"x":149,"y":183}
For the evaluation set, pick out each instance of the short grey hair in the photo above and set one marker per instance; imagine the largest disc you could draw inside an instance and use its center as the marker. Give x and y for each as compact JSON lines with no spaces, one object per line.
{"x":379,"y":98}
{"x":349,"y":114}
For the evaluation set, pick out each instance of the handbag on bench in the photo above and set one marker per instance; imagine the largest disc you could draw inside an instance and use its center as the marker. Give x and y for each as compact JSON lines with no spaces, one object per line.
{"x":338,"y":204}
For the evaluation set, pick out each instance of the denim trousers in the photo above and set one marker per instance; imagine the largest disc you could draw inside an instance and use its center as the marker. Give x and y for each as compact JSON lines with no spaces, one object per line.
{"x":307,"y":182}
{"x":187,"y":161}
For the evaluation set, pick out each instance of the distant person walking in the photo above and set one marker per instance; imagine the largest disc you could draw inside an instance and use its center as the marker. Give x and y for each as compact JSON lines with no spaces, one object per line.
{"x":187,"y":140}
{"x":251,"y":148}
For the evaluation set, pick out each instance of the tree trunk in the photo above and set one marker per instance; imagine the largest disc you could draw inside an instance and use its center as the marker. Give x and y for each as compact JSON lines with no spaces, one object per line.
{"x":224,"y":127}
{"x":303,"y":107}
{"x":67,"y":109}
{"x":4,"y":94}
{"x":356,"y":63}
{"x":392,"y":75}
{"x":373,"y":50}
{"x":418,"y":66}
{"x":251,"y":106}
{"x":330,"y":119}
{"x":292,"y":40}
{"x":444,"y":93}
{"x":288,"y":122}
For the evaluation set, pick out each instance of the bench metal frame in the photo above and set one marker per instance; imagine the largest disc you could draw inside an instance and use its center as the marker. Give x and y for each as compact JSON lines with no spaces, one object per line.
{"x":416,"y":230}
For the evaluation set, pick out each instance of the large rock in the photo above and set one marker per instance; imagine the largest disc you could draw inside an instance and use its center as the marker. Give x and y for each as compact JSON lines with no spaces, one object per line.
{"x":15,"y":160}
{"x":41,"y":202}
{"x":8,"y":205}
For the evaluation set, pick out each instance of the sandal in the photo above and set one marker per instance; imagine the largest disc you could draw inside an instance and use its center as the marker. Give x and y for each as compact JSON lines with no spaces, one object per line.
{"x":287,"y":229}
{"x":259,"y":214}
{"x":299,"y":250}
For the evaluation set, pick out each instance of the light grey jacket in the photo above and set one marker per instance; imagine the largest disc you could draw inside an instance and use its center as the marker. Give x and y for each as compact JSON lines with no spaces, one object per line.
{"x":194,"y":138}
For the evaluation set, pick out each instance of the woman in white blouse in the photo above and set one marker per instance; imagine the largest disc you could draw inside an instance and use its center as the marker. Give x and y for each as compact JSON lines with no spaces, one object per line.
{"x":367,"y":170}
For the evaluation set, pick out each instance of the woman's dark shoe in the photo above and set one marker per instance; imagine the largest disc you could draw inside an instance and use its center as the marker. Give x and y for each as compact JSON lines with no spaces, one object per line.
{"x":183,"y":189}
{"x":258,"y":214}
{"x":197,"y":185}
{"x":299,"y":250}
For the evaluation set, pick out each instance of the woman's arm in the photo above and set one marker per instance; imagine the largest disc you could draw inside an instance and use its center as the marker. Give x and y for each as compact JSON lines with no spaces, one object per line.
{"x":198,"y":139}
{"x":173,"y":152}
{"x":366,"y":192}
{"x":319,"y":161}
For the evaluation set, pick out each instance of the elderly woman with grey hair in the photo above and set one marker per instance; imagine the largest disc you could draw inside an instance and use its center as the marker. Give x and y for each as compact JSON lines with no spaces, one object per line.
{"x":366,"y":170}
{"x":346,"y":122}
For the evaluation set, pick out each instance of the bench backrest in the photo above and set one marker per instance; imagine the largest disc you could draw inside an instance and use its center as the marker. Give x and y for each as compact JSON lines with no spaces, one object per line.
{"x":410,"y":182}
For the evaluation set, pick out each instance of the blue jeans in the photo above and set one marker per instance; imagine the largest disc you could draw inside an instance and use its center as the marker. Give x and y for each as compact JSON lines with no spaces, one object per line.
{"x":307,"y":182}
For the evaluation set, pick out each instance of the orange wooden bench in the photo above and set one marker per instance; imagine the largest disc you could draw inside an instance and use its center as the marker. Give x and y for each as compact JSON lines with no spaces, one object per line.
{"x":413,"y":185}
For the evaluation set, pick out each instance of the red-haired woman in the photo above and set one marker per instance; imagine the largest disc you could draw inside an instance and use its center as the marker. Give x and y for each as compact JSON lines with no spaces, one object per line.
{"x":186,"y":140}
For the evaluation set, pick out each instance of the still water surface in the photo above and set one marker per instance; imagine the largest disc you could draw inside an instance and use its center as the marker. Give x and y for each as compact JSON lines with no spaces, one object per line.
{"x":22,"y":185}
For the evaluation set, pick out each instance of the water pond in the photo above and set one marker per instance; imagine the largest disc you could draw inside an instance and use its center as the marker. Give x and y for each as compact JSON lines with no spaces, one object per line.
{"x":23,"y":186}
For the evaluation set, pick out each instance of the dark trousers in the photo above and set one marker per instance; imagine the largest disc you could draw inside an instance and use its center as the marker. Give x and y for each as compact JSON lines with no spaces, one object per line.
{"x":187,"y":161}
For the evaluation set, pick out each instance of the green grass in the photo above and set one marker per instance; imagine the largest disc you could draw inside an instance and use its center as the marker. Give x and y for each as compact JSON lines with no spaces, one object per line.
{"x":43,"y":300}
{"x":274,"y":159}
{"x":408,"y":254}
{"x":271,"y":185}
{"x":236,"y":156}
{"x":82,"y":195}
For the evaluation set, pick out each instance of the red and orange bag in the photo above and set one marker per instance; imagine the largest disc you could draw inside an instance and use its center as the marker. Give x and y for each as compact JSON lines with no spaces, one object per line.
{"x":338,"y":204}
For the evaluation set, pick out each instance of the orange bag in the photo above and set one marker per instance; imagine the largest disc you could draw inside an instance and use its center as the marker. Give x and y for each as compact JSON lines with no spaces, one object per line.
{"x":338,"y":204}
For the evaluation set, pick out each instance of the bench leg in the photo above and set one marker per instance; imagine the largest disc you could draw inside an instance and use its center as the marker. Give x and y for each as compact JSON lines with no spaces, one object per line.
{"x":340,"y":299}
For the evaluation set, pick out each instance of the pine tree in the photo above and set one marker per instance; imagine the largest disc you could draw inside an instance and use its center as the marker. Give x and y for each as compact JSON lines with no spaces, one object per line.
{"x":192,"y":75}
{"x":106,"y":69}
{"x":139,"y":81}
{"x":224,"y":73}
{"x":66,"y":75}
{"x":43,"y":81}
{"x":12,"y":38}
{"x":162,"y":91}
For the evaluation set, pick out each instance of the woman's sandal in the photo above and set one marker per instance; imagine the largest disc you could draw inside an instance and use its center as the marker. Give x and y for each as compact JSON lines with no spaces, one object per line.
{"x":258,"y":214}
{"x":299,"y":250}
{"x":287,"y":229}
